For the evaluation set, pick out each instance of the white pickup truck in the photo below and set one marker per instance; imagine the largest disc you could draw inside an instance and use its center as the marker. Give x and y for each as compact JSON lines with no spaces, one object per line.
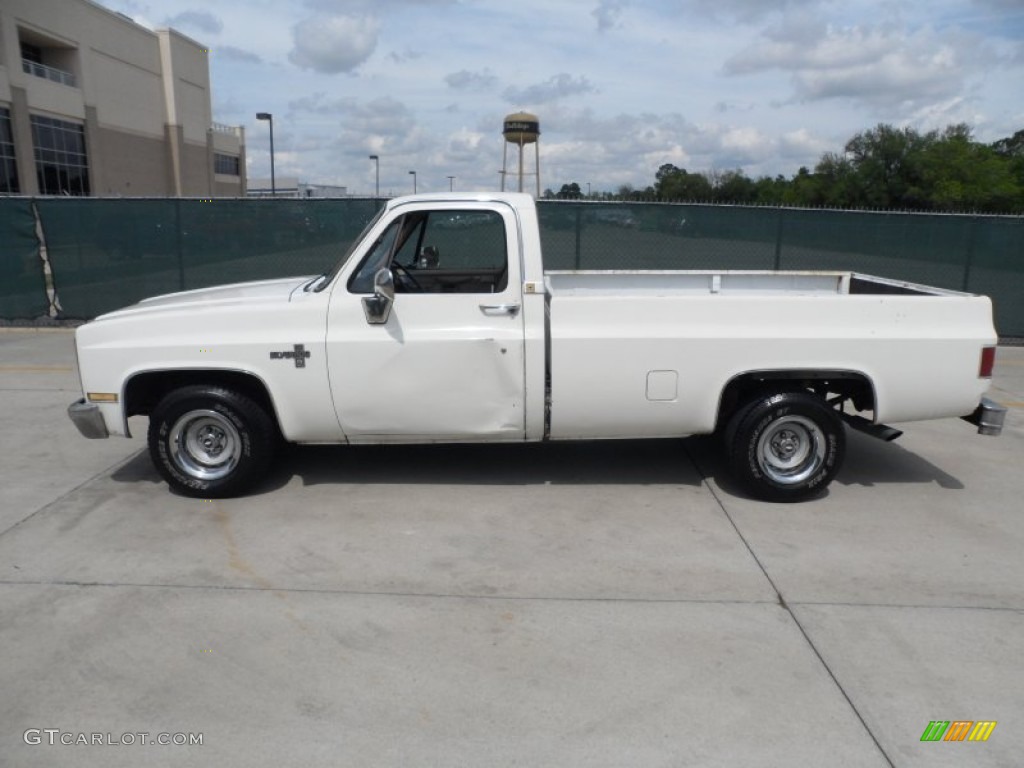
{"x":440,"y":324}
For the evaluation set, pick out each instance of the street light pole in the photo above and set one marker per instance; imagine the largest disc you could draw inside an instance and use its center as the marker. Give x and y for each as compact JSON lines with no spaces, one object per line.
{"x":376,"y":161}
{"x":451,"y":183}
{"x":413,"y":174}
{"x":270,"y":119}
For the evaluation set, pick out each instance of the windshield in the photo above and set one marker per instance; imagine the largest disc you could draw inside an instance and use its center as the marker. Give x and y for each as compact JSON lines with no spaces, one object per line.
{"x":328,"y":277}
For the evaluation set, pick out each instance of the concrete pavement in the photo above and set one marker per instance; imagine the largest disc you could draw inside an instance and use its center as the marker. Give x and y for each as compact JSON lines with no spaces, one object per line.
{"x":579,"y":604}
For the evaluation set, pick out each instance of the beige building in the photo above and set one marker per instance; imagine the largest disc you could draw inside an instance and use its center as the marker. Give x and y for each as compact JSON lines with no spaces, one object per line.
{"x":91,"y":103}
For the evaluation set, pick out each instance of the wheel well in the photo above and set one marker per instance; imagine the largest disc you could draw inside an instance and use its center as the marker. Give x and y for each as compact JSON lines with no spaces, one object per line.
{"x":144,"y":390}
{"x":835,"y":387}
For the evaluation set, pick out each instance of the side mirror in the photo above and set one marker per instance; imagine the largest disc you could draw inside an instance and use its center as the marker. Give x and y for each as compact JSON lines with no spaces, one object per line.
{"x":384,"y":285}
{"x":377,"y":308}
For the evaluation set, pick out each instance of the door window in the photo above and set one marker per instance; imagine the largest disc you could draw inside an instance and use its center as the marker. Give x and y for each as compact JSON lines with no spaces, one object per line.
{"x":452,"y":251}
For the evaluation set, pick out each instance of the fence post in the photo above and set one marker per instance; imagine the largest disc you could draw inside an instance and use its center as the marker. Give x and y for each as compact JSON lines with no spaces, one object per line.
{"x":177,"y":242}
{"x":579,"y":233}
{"x":78,"y":226}
{"x":972,"y":234}
{"x":778,"y":240}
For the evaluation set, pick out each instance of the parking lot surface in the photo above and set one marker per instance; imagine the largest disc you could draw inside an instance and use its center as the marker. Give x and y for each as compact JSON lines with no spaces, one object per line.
{"x":591,"y":604}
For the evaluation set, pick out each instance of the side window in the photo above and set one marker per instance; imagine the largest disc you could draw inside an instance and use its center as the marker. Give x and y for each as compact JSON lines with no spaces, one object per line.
{"x":457,"y":251}
{"x":471,"y":243}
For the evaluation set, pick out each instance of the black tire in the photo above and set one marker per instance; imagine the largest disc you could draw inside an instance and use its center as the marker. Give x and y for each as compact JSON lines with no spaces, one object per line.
{"x":210,"y":442}
{"x":786,"y":446}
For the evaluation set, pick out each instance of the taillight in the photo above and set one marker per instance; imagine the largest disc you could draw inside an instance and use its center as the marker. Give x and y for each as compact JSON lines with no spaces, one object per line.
{"x":988,"y":362}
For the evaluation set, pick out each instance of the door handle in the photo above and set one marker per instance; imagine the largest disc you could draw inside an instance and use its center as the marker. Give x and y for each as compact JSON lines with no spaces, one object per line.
{"x":502,"y":309}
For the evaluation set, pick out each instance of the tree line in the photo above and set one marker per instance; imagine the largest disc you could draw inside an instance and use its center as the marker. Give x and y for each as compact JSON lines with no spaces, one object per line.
{"x":884,"y":168}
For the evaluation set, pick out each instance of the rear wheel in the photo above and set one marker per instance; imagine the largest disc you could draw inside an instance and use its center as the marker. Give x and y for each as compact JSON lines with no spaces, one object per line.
{"x":209,"y":441}
{"x":785,"y":447}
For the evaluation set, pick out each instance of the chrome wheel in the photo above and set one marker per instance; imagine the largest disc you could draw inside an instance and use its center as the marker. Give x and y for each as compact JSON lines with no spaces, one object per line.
{"x":205,"y":445}
{"x":791,"y":449}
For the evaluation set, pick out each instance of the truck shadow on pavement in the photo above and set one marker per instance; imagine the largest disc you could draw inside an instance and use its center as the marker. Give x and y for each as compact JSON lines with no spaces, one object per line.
{"x":609,"y":462}
{"x":619,"y":462}
{"x":869,"y":462}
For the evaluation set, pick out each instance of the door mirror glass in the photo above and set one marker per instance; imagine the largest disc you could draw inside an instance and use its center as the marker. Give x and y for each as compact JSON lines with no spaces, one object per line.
{"x":384,"y":284}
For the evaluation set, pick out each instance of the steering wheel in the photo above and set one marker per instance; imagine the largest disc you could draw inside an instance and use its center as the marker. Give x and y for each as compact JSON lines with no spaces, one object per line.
{"x":404,"y":278}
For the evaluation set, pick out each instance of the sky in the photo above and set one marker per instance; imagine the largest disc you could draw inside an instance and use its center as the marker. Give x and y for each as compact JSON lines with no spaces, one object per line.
{"x":620,"y":87}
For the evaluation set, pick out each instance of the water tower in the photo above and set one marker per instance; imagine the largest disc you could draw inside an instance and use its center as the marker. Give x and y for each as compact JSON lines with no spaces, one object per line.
{"x":522,"y":128}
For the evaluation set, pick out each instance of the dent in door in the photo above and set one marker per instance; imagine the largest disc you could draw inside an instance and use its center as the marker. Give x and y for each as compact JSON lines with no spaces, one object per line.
{"x":462,"y":387}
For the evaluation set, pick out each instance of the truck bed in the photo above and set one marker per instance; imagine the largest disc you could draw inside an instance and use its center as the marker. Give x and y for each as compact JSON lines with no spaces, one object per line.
{"x":664,"y":345}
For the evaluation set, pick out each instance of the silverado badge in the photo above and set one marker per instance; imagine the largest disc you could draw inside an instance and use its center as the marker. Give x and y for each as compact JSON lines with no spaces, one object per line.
{"x":298,"y":354}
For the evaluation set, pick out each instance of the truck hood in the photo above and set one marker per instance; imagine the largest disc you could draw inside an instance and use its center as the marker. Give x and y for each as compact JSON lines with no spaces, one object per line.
{"x":253,"y":293}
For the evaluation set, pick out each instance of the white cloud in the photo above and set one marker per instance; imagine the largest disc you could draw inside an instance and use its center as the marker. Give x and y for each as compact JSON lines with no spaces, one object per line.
{"x":333,"y":44}
{"x":466,"y":80}
{"x":465,"y":145}
{"x":554,"y":88}
{"x":881,"y":66}
{"x":748,"y":11}
{"x":801,"y":145}
{"x":203,"y":21}
{"x":409,"y":54}
{"x":318,"y":104}
{"x":232,"y":53}
{"x":1002,"y":5}
{"x":607,"y":14}
{"x":382,"y":126}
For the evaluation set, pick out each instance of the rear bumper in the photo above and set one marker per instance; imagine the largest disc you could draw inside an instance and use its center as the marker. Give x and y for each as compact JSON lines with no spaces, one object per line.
{"x":88,"y":419}
{"x":988,"y":417}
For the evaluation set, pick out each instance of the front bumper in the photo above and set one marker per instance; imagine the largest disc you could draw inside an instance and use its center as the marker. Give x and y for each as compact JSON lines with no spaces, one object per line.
{"x":88,"y":419}
{"x":988,"y":417}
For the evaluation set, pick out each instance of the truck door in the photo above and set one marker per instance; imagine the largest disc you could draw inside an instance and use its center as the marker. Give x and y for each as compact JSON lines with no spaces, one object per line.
{"x":447,"y":363}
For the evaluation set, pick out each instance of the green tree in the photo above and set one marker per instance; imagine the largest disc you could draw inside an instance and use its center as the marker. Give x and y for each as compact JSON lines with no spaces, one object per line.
{"x":960,"y":174}
{"x":570,"y":192}
{"x":1011,"y":149}
{"x":887,"y":165}
{"x":733,"y":187}
{"x":836,"y":184}
{"x":802,"y":190}
{"x":883,"y":167}
{"x":769,"y":191}
{"x":672,"y":183}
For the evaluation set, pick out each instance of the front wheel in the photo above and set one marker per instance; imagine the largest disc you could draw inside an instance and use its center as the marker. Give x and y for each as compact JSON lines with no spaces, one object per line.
{"x":210,"y":442}
{"x":786,"y":447}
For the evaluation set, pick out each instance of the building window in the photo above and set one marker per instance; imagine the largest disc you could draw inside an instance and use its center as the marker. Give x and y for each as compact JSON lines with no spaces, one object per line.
{"x":8,"y":166}
{"x":61,"y":163}
{"x":226,"y":164}
{"x":31,"y":53}
{"x":48,"y":63}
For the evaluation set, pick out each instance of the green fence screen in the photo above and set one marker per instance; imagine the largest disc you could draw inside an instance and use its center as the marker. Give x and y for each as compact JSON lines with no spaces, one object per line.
{"x":22,"y":285}
{"x":978,"y":254}
{"x":107,"y":253}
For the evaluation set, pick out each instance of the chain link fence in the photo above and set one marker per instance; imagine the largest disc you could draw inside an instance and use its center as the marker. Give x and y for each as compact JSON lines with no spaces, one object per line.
{"x":108,"y":253}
